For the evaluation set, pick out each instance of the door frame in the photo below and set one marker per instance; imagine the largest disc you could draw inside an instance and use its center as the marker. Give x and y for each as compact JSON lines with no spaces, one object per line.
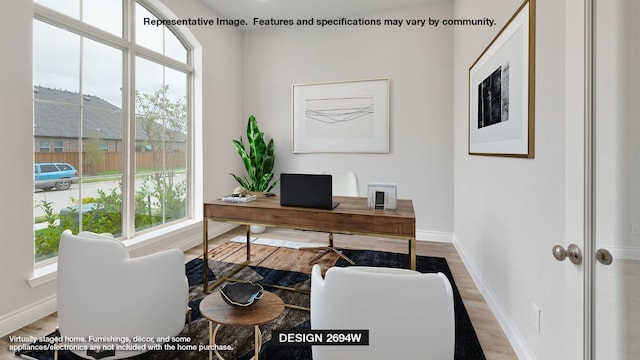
{"x":589,"y":186}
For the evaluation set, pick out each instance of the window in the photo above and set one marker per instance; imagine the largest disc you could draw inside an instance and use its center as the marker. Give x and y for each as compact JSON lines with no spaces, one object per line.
{"x":82,"y":97}
{"x":47,"y":168}
{"x":44,"y":145}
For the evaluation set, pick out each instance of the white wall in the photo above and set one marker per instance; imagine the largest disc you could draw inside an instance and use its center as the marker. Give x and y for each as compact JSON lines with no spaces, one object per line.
{"x":418,"y":62}
{"x":16,"y":216}
{"x":21,"y":304}
{"x":509,"y":213}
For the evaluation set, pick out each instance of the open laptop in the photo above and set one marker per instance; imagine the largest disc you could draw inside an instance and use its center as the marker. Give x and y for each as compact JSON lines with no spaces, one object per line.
{"x":307,"y":190}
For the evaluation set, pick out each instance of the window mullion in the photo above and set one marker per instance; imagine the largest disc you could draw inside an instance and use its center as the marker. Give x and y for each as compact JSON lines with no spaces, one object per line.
{"x":129,"y":153}
{"x":190,"y":149}
{"x":161,"y":59}
{"x":80,"y":131}
{"x":129,"y":126}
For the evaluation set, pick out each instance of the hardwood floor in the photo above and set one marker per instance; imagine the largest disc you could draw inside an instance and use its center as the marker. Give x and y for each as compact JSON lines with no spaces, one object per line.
{"x":492,"y":338}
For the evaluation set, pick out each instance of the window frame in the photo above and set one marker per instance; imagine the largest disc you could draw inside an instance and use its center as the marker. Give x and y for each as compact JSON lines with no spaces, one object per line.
{"x":44,"y":144}
{"x":58,"y":146}
{"x":130,"y":51}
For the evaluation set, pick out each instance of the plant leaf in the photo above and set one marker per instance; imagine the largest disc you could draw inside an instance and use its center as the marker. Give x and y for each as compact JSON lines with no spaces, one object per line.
{"x":257,"y":147}
{"x":242,"y":181}
{"x":259,"y":161}
{"x":269,"y":158}
{"x":246,"y":160}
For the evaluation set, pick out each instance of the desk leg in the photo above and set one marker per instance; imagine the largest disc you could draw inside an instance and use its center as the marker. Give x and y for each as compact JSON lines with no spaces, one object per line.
{"x":205,"y":256}
{"x":248,"y":242}
{"x":412,"y":253}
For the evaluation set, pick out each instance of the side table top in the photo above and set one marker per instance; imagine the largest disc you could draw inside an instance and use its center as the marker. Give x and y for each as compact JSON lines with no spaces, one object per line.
{"x":214,"y":308}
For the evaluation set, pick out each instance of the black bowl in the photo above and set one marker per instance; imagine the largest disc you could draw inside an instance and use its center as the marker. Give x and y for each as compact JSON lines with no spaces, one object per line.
{"x":241,"y":294}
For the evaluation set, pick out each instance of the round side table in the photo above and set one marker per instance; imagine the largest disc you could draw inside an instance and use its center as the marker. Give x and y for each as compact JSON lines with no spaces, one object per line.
{"x":215,"y":309}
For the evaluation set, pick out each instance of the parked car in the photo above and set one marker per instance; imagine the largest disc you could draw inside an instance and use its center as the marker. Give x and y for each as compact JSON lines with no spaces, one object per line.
{"x":54,"y":175}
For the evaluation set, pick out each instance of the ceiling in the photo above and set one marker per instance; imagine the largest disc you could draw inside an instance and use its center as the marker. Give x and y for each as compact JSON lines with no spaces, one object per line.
{"x":304,"y":9}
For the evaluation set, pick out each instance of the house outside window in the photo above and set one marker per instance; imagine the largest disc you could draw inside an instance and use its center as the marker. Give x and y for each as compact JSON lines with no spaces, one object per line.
{"x":82,"y":97}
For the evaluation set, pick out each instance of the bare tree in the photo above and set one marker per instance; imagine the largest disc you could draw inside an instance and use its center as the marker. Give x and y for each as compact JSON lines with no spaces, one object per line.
{"x":164,"y":122}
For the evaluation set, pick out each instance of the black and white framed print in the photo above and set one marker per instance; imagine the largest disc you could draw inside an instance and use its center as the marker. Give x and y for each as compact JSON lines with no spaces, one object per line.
{"x":501,"y":90}
{"x":341,"y":117}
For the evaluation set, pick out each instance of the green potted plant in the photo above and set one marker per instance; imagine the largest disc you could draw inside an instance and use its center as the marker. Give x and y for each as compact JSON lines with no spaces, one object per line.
{"x":258,"y":160}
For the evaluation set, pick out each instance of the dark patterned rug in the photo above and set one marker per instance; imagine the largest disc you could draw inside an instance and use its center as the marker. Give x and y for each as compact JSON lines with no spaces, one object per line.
{"x":240,"y":340}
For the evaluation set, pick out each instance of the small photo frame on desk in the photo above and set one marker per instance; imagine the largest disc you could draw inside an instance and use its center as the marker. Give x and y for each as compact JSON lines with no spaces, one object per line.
{"x":382,"y":196}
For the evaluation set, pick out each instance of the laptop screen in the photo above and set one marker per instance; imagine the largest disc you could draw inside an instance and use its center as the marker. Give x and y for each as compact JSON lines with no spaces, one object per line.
{"x":306,"y":190}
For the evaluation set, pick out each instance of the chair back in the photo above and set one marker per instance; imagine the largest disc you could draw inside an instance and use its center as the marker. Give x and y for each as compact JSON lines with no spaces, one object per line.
{"x":104,"y":292}
{"x":344,"y":183}
{"x":409,"y":315}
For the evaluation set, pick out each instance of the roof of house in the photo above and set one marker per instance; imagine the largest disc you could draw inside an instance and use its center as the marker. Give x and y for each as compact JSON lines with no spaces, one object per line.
{"x":56,"y":114}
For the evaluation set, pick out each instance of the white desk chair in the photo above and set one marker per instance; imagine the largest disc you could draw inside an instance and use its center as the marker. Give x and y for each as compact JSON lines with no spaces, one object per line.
{"x":343,"y":183}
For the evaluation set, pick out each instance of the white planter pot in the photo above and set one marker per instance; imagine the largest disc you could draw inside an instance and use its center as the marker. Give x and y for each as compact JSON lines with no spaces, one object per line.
{"x":257,"y":229}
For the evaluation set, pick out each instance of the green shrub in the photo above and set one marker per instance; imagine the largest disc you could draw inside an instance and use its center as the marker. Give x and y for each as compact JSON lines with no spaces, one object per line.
{"x":157,"y":201}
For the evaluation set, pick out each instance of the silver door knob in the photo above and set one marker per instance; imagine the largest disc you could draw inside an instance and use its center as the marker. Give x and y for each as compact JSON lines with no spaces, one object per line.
{"x":572,"y":252}
{"x":604,"y":257}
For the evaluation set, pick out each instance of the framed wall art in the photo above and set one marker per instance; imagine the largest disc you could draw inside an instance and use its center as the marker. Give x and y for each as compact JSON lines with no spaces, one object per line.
{"x":341,"y":117}
{"x":502,"y":90}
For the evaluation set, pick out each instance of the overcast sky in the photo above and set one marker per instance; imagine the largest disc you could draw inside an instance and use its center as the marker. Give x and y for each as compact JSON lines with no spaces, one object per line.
{"x":57,"y":53}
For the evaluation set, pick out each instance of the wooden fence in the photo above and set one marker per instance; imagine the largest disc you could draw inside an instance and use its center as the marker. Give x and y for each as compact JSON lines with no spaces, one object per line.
{"x":112,"y":161}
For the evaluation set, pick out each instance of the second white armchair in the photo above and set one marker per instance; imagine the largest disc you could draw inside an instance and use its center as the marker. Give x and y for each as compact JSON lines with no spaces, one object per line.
{"x":409,"y":315}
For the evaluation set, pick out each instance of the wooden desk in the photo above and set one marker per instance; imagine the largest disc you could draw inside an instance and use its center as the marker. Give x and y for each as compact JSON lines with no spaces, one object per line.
{"x":352,"y":216}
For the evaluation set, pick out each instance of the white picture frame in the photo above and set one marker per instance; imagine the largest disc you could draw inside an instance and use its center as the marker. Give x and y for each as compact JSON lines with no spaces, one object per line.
{"x":341,"y":117}
{"x":390,"y":194}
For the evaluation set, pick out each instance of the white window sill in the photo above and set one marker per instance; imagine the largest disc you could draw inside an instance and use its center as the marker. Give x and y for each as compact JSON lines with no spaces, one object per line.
{"x":45,"y":274}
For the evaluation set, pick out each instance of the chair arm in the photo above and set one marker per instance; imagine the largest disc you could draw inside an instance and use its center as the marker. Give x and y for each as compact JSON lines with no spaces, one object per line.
{"x":158,"y":280}
{"x":316,"y":275}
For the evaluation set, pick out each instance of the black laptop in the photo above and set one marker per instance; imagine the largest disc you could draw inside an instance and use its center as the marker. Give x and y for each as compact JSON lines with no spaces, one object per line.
{"x":307,"y":190}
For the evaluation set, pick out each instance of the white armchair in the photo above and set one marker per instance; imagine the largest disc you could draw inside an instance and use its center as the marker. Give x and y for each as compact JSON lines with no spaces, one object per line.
{"x":409,"y":315}
{"x":102,"y":292}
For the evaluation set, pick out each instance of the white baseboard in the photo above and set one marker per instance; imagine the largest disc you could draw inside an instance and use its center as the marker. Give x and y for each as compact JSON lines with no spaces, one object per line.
{"x":183,"y":238}
{"x":217,"y":229}
{"x":27,"y":315}
{"x":437,"y":236}
{"x":194,"y":239}
{"x":520,"y":346}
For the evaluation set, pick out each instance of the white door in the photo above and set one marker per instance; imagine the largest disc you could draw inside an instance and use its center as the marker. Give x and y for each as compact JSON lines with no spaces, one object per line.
{"x":615,"y":295}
